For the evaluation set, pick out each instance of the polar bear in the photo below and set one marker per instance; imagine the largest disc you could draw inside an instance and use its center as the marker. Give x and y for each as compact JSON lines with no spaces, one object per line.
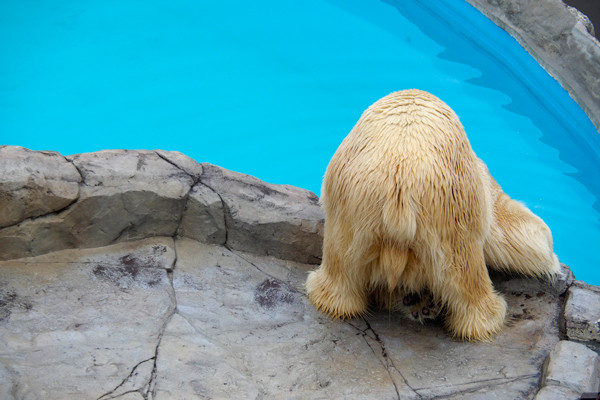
{"x":409,"y":208}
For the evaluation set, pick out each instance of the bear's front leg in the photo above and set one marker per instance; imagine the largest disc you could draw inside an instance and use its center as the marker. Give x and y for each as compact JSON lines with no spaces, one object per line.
{"x":519,"y":241}
{"x":476,"y":311}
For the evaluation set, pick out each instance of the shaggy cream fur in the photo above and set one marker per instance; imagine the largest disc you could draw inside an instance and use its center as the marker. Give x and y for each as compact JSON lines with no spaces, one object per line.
{"x":409,"y":207}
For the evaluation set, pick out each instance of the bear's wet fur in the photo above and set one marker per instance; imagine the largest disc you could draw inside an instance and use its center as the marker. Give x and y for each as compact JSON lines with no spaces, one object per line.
{"x":409,"y":207}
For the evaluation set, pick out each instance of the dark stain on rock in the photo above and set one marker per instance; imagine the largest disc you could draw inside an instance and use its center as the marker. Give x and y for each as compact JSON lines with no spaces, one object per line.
{"x":9,"y":300}
{"x":154,"y":281}
{"x":131,"y":270}
{"x":525,"y":315}
{"x":100,"y":271}
{"x":158,"y":249}
{"x":129,"y":260}
{"x":131,"y":266}
{"x":141,"y":161}
{"x":152,"y":260}
{"x":272,"y":292}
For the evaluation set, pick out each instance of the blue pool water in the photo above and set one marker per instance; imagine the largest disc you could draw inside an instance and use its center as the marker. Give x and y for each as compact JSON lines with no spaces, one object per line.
{"x":270,"y":88}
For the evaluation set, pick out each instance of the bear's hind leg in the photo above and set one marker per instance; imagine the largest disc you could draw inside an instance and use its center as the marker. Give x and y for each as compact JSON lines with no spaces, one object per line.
{"x":475,"y":311}
{"x":339,"y":287}
{"x":386,"y":273}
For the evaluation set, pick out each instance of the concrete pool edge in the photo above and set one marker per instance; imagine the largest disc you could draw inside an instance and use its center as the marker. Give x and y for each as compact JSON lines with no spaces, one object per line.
{"x":103,"y":199}
{"x":556,"y":36}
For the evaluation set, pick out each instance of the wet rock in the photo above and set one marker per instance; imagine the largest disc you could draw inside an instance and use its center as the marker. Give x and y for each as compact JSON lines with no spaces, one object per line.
{"x":582,"y":313}
{"x":34,"y":183}
{"x":270,"y":293}
{"x":278,"y":220}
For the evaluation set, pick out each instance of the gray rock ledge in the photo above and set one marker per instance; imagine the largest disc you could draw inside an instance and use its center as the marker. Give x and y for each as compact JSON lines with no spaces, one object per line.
{"x":571,"y":367}
{"x":52,"y":203}
{"x":582,"y":314}
{"x":149,"y":276}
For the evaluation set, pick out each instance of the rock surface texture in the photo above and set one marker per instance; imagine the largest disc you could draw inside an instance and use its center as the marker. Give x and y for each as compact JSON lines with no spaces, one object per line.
{"x":160,"y":278}
{"x":117,"y":195}
{"x":582,"y":314}
{"x":560,"y":38}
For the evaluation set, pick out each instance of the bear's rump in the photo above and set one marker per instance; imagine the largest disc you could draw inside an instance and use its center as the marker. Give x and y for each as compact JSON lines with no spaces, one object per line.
{"x":433,"y":192}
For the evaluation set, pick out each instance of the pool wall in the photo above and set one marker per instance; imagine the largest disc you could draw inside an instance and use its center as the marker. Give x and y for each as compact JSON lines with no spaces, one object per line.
{"x":560,"y":38}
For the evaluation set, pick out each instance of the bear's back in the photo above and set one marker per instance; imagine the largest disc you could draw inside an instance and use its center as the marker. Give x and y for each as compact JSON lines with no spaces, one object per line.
{"x":408,"y":147}
{"x":412,"y":123}
{"x":410,"y":133}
